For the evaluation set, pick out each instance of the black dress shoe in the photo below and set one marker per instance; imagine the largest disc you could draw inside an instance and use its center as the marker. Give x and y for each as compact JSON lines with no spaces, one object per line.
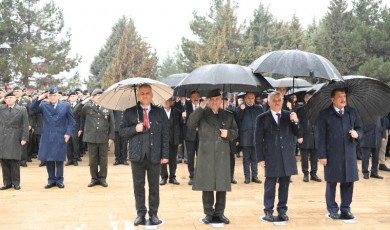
{"x":75,"y":163}
{"x":174,"y":181}
{"x":305,"y":178}
{"x":238,"y":155}
{"x":233,"y":181}
{"x":60,"y":185}
{"x":180,"y":161}
{"x":49,"y":186}
{"x":315,"y":178}
{"x":247,"y":181}
{"x":23,"y":164}
{"x":185,"y":161}
{"x":93,"y":183}
{"x":163,"y":181}
{"x":42,"y":164}
{"x":68,"y":163}
{"x":256,"y":180}
{"x":222,"y":219}
{"x":365,"y":176}
{"x":347,"y":216}
{"x":207,"y":219}
{"x":116,"y":163}
{"x":6,"y":187}
{"x":17,"y":187}
{"x":383,"y":167}
{"x":140,"y":220}
{"x":334,"y":215}
{"x":376,"y":176}
{"x":154,"y":220}
{"x":125,"y":163}
{"x":29,"y":160}
{"x":79,"y":159}
{"x":103,"y":183}
{"x":268,"y":216}
{"x":190,"y":182}
{"x":283,"y":217}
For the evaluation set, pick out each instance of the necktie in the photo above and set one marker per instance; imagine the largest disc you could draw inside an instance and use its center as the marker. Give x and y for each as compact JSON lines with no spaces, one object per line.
{"x":278,"y":115}
{"x":10,"y":108}
{"x":98,"y":107}
{"x":341,"y":113}
{"x":146,"y":120}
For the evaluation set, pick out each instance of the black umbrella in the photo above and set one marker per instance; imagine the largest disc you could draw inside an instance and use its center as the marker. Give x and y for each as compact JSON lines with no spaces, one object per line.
{"x":368,"y":96}
{"x":174,"y":79}
{"x":226,"y":77}
{"x":296,"y":63}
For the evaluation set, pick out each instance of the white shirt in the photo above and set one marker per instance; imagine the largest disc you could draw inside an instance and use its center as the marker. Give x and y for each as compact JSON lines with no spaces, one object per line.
{"x":337,"y":109}
{"x":168,"y":112}
{"x":195,"y":106}
{"x":147,"y":109}
{"x":275,"y":116}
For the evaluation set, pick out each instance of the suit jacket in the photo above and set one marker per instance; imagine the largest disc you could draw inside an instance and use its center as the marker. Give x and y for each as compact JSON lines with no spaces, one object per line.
{"x":99,"y":124}
{"x":13,"y":129}
{"x":246,"y":120}
{"x":56,"y":123}
{"x":174,"y":127}
{"x":307,"y":131}
{"x":158,"y":134}
{"x":191,"y":132}
{"x":275,"y":144}
{"x":335,"y":143}
{"x":373,"y":134}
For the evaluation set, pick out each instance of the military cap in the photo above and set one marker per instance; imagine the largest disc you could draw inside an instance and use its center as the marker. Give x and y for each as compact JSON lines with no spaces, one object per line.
{"x":213,"y":93}
{"x":52,"y":90}
{"x":17,"y":88}
{"x":9,"y":94}
{"x":96,"y":91}
{"x":72,"y":93}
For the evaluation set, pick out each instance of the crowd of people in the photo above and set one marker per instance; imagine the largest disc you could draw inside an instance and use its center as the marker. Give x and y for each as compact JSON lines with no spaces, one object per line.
{"x":207,"y":133}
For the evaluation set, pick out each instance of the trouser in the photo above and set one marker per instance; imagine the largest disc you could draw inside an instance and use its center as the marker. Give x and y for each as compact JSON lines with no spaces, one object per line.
{"x":346,"y":192}
{"x":24,"y":153}
{"x":306,"y":155}
{"x":172,"y":164}
{"x":139,"y":169}
{"x":182,"y":151}
{"x":209,"y":207}
{"x":98,"y":161}
{"x":249,"y":162}
{"x":120,"y":148}
{"x":382,"y":152}
{"x":72,"y":148}
{"x":55,"y":170}
{"x":366,"y":153}
{"x":30,"y":145}
{"x":233,"y":152}
{"x":269,"y":194}
{"x":191,"y":152}
{"x":11,"y":172}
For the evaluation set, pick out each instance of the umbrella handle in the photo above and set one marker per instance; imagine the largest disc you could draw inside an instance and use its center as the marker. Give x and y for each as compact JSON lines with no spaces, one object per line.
{"x":136,"y":102}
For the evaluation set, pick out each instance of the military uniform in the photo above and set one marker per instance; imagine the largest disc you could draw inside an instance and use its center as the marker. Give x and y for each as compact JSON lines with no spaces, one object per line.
{"x":25,"y":103}
{"x":98,"y":129}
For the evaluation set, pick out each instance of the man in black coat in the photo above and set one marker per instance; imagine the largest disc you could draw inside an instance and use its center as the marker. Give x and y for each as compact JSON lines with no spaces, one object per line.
{"x":382,"y":151}
{"x":191,"y":136}
{"x":120,"y":142}
{"x":338,"y":128}
{"x":146,"y":126}
{"x":307,"y":145}
{"x":274,"y":145}
{"x":72,"y":146}
{"x":173,"y":116}
{"x":370,"y":145}
{"x":246,"y":115}
{"x":181,"y":105}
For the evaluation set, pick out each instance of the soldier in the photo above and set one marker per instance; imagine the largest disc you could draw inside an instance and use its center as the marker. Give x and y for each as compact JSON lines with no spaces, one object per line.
{"x":72,"y":150}
{"x":99,"y":133}
{"x":13,"y":135}
{"x":120,"y":142}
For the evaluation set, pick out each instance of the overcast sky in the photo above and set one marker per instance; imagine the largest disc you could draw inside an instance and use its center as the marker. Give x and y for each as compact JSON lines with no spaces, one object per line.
{"x":162,"y":23}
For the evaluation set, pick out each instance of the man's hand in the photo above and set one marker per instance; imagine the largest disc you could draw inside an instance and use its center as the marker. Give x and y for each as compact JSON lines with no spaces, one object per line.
{"x":224,"y":132}
{"x":184,"y":114}
{"x":139,"y":127}
{"x":66,"y":137}
{"x":23,"y":142}
{"x":164,"y":161}
{"x":43,"y":96}
{"x":242,"y":106}
{"x":324,"y":162}
{"x":204,"y":103}
{"x":110,"y":142}
{"x":294,"y":117}
{"x":300,"y":140}
{"x":79,"y":133}
{"x":262,"y":164}
{"x":289,"y":105}
{"x":353,"y":134}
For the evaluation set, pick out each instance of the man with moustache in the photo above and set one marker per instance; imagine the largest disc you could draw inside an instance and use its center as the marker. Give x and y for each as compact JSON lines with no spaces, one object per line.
{"x":338,"y":128}
{"x":58,"y":124}
{"x":216,"y":128}
{"x":274,"y":145}
{"x":13,"y":135}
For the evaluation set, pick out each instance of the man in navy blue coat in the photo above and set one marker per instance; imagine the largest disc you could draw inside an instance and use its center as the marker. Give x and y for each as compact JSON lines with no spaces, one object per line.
{"x":58,"y":124}
{"x":338,"y":127}
{"x":275,"y":149}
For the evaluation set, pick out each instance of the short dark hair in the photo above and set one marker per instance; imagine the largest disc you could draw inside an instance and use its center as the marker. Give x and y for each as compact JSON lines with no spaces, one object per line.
{"x":145,"y":86}
{"x":195,"y":91}
{"x":334,"y":91}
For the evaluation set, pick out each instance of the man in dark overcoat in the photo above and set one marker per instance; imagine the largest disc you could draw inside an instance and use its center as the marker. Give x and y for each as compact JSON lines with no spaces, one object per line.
{"x":274,"y":140}
{"x":13,"y":135}
{"x":73,"y":149}
{"x":174,"y":117}
{"x":216,"y":128}
{"x":120,"y":142}
{"x":58,"y":124}
{"x":146,"y":126}
{"x":99,"y":134}
{"x":338,"y":127}
{"x":246,"y":115}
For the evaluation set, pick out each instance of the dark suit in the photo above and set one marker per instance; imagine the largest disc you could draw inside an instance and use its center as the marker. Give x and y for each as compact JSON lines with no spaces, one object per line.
{"x":25,"y":103}
{"x":335,"y":144}
{"x":181,"y":107}
{"x":146,"y":149}
{"x":274,"y":144}
{"x":120,"y":142}
{"x":174,"y":141}
{"x":192,"y":141}
{"x":98,"y":129}
{"x":73,"y":149}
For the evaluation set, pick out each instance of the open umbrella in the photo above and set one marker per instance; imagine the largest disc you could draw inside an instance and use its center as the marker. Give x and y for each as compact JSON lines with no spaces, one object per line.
{"x":123,"y":95}
{"x":368,"y":96}
{"x":226,"y":77}
{"x":174,"y":79}
{"x":271,"y":81}
{"x":291,"y":82}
